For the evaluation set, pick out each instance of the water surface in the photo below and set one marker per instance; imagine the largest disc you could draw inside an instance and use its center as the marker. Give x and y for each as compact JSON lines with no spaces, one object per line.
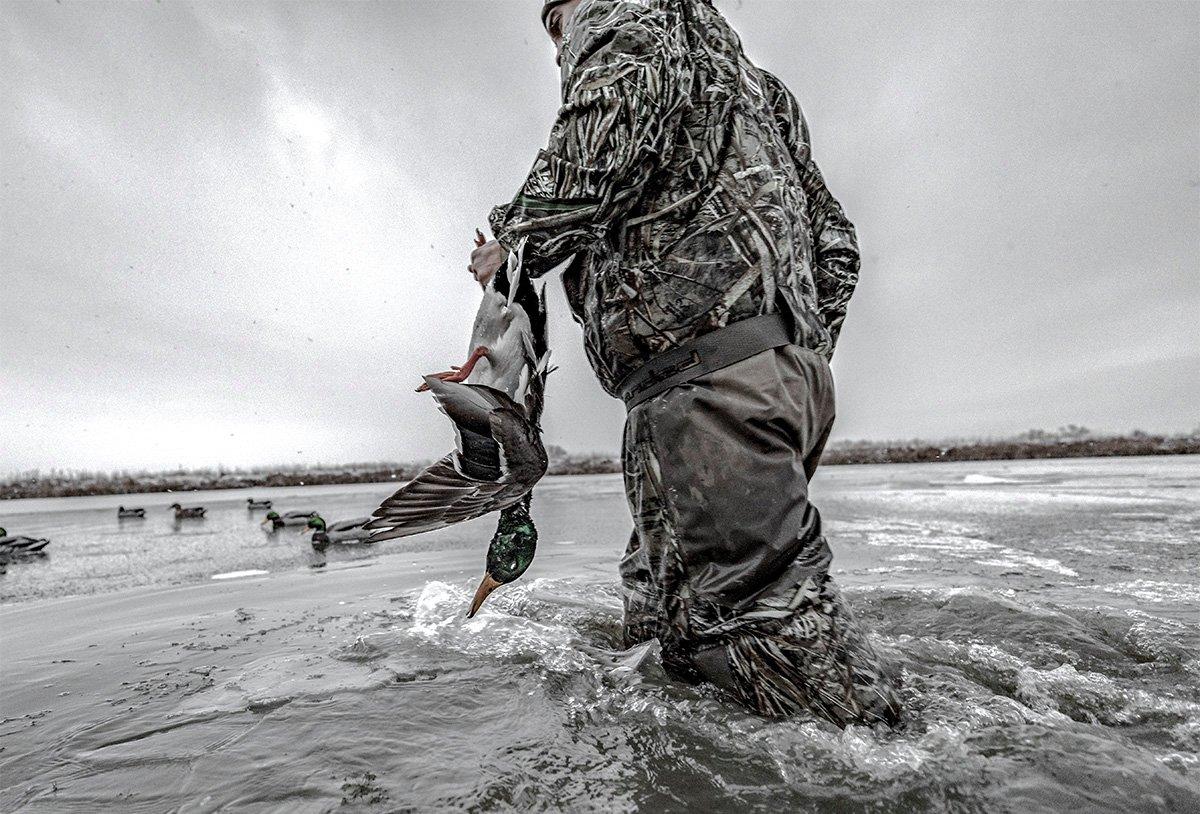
{"x":1044,"y":614}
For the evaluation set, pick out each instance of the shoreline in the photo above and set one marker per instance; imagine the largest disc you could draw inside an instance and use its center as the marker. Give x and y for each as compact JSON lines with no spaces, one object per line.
{"x":841,"y":455}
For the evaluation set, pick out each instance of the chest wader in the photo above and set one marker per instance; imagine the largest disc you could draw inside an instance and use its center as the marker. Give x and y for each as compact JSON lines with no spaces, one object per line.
{"x":727,"y":565}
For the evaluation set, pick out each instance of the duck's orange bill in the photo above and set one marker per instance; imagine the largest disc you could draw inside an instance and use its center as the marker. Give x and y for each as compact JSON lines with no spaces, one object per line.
{"x":481,"y":593}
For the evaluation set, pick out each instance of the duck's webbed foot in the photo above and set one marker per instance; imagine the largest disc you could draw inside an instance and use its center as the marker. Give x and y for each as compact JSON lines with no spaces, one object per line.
{"x":458,"y":374}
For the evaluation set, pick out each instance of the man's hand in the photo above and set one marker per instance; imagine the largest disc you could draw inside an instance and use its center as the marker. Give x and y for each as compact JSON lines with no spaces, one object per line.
{"x":486,"y":259}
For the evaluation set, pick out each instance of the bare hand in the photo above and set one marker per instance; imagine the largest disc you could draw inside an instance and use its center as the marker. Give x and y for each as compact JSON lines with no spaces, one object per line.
{"x":487,"y":258}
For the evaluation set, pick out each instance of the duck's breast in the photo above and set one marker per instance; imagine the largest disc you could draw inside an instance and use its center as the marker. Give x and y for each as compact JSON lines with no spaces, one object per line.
{"x":504,"y":368}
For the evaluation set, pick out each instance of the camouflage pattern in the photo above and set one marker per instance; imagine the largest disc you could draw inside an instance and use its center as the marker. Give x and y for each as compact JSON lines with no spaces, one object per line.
{"x":680,"y":178}
{"x":679,"y":183}
{"x":727,"y":552}
{"x":815,"y":658}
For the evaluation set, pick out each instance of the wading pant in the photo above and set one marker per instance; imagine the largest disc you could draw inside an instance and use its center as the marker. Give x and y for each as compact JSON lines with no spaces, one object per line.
{"x":727,"y":565}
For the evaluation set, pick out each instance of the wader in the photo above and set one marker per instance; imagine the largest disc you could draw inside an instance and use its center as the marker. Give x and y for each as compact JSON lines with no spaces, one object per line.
{"x":727,"y":565}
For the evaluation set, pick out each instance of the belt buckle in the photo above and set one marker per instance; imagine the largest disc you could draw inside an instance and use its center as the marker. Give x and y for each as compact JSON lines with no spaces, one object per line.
{"x":658,"y":376}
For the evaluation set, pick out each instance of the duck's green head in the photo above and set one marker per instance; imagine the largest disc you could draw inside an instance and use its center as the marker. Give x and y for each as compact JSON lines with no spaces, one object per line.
{"x":272,"y":516}
{"x":510,"y":553}
{"x":175,"y":506}
{"x":3,"y":531}
{"x":316,"y":523}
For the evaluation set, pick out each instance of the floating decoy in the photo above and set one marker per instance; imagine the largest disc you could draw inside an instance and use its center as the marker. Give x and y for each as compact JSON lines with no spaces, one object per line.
{"x":15,"y":546}
{"x":277,"y":520}
{"x":190,"y":512}
{"x":343,"y":531}
{"x":253,"y":504}
{"x":495,"y":403}
{"x":123,"y":512}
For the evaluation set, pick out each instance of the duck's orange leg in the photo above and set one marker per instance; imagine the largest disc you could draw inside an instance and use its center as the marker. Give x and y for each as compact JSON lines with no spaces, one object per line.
{"x":459,"y":374}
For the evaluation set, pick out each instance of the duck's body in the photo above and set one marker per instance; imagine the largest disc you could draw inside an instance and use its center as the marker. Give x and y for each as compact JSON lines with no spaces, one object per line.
{"x":16,"y":546}
{"x":297,"y":518}
{"x":190,"y":512}
{"x":122,"y":512}
{"x":343,"y":532}
{"x":252,"y":504}
{"x":505,"y":327}
{"x":495,"y":403}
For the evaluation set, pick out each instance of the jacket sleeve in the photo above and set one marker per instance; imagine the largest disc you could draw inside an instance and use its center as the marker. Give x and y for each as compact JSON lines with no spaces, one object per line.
{"x":618,"y":100}
{"x":835,"y":243}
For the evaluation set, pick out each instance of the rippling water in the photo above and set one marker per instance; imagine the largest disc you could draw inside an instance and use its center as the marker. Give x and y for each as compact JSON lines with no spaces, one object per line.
{"x":1045,"y":615}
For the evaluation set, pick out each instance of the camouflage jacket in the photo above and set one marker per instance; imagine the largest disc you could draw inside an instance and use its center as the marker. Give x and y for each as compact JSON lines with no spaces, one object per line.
{"x":680,"y":178}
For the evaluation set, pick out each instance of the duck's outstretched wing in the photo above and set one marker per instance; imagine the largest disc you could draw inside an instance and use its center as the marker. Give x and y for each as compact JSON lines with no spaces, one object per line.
{"x":499,"y":458}
{"x":438,"y":497}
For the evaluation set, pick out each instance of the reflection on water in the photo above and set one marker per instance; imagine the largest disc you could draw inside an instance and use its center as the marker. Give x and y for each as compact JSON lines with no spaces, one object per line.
{"x":1043,"y":616}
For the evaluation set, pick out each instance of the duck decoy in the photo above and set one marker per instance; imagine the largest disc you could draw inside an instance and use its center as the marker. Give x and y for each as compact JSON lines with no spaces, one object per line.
{"x":123,"y":512}
{"x":15,"y":546}
{"x":252,"y":504}
{"x":190,"y":512}
{"x":343,"y":531}
{"x":495,"y":404}
{"x":277,"y":520}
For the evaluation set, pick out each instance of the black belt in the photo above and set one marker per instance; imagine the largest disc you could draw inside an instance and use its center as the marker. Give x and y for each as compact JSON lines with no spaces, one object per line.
{"x":704,"y":354}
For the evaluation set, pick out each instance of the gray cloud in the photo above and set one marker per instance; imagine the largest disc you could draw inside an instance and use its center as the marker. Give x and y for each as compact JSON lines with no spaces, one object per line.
{"x":236,"y":233}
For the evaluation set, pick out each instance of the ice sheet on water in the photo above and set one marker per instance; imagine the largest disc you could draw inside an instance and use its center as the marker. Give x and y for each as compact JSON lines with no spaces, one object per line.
{"x":978,"y":478}
{"x":1015,"y":559}
{"x":909,"y":556}
{"x":1155,"y":591}
{"x":920,"y":541}
{"x":240,"y":574}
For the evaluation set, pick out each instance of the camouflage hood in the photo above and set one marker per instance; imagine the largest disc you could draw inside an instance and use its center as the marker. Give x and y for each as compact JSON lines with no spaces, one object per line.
{"x":547,"y":5}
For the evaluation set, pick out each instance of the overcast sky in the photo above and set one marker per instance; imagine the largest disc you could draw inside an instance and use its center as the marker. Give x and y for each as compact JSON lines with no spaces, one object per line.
{"x":237,"y":233}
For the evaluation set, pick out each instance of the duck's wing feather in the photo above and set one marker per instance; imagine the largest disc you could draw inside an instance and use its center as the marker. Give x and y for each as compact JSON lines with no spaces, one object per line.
{"x":438,"y":497}
{"x":491,"y":420}
{"x":469,"y":408}
{"x":522,"y":455}
{"x":494,"y":437}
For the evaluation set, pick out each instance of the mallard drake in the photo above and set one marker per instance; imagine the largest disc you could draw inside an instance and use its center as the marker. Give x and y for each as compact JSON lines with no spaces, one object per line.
{"x":277,"y":520}
{"x":123,"y":512}
{"x":343,"y":531}
{"x":511,"y":551}
{"x":495,"y":403}
{"x":190,"y":511}
{"x":252,"y":504}
{"x":18,"y":545}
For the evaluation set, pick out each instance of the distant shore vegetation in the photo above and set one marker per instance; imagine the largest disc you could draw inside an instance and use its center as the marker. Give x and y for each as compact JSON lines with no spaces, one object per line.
{"x":1071,"y":441}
